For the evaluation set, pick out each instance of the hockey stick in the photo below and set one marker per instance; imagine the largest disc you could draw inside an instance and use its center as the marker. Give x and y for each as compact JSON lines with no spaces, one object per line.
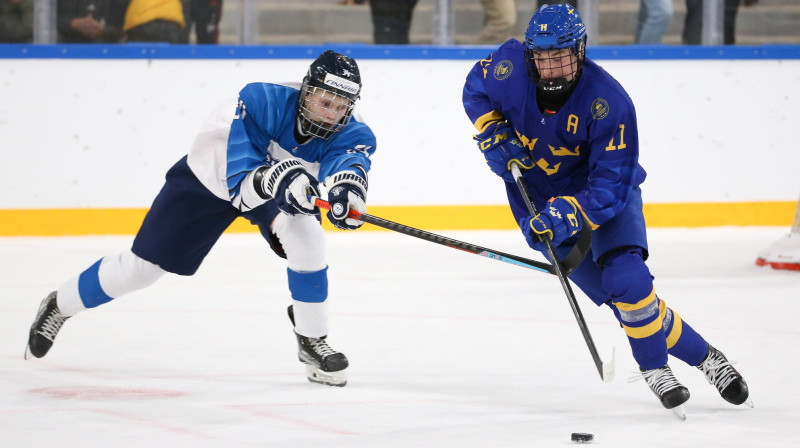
{"x":605,"y":370}
{"x":443,"y":240}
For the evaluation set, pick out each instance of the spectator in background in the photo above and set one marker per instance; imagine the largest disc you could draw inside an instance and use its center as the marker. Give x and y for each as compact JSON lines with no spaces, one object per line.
{"x":205,"y":16}
{"x":16,"y":21}
{"x":90,"y":21}
{"x":499,"y":19}
{"x":391,"y":19}
{"x":693,"y":26}
{"x":154,"y":21}
{"x":653,"y":20}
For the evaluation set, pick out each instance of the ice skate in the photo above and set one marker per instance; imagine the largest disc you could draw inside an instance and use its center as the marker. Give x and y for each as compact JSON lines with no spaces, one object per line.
{"x":323,"y":364}
{"x":672,"y":393}
{"x":45,"y":327}
{"x":719,"y":372}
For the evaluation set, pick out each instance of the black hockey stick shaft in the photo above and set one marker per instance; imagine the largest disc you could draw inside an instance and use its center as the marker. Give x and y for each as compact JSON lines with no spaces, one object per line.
{"x":606,"y":371}
{"x":443,"y":240}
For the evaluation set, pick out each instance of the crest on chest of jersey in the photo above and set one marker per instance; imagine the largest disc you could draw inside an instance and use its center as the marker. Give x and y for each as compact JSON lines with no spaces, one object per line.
{"x":555,"y":47}
{"x":328,"y":95}
{"x":503,"y":69}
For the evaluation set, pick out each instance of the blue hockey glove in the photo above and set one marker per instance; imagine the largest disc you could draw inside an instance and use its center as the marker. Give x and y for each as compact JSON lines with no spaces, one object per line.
{"x":530,"y":237}
{"x":289,"y":184}
{"x":346,"y":190}
{"x":500,"y":148}
{"x":560,"y":220}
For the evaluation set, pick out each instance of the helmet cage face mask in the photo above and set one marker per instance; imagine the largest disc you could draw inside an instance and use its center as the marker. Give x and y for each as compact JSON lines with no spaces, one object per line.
{"x":318,"y":106}
{"x":566,"y":64}
{"x":552,"y":29}
{"x":328,"y":95}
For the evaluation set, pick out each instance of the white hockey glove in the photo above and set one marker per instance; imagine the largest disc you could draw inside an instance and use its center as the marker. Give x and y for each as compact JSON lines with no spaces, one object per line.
{"x":288,"y":184}
{"x":346,"y":190}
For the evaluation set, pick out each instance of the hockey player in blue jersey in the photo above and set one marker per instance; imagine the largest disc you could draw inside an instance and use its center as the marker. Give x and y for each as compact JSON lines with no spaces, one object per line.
{"x":259,"y":158}
{"x":572,"y":128}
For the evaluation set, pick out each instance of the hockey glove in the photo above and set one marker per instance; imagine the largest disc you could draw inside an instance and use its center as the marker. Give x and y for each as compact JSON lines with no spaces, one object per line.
{"x":560,"y":220}
{"x":346,"y":190}
{"x":533,"y":240}
{"x":289,"y":184}
{"x":500,"y":148}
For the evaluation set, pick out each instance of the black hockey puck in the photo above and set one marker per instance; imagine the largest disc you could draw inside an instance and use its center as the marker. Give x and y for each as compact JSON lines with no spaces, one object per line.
{"x":582,"y":437}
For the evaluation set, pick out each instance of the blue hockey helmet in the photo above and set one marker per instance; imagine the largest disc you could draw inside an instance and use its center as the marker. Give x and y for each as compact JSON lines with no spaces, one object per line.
{"x":553,"y":28}
{"x":328,"y":94}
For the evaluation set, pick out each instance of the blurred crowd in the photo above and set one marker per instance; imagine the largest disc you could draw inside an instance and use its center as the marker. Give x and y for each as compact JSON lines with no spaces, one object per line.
{"x":118,"y":21}
{"x":197,"y":21}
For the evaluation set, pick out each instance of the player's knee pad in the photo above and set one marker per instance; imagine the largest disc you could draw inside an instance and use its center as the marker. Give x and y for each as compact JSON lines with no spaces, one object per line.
{"x":628,"y":282}
{"x":303,"y":241}
{"x":625,"y":277}
{"x":310,"y":287}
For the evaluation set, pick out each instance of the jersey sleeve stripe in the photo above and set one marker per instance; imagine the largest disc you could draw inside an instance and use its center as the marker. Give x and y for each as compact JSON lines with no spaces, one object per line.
{"x":484,"y":120}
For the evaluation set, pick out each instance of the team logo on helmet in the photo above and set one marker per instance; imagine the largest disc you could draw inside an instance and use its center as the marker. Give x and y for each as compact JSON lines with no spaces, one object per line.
{"x":337,"y":82}
{"x":600,"y":109}
{"x":503,"y":70}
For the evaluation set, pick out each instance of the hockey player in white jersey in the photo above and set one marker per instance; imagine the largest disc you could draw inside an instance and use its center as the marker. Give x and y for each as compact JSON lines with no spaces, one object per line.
{"x":260,"y":158}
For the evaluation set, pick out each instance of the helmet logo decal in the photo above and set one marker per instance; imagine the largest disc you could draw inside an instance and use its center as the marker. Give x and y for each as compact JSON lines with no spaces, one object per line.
{"x":340,"y":83}
{"x":600,"y":109}
{"x":503,"y":70}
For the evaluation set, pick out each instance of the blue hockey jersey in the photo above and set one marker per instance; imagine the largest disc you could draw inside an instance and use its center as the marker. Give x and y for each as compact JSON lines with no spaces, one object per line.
{"x":588,"y":150}
{"x":259,"y":130}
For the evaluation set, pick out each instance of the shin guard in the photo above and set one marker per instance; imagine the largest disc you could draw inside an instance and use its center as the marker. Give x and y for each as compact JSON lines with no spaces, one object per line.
{"x":629,"y":284}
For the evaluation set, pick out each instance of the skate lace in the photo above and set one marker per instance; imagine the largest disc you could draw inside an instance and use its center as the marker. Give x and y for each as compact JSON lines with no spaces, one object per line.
{"x":718,"y":372}
{"x":52,"y":325}
{"x":320,"y":347}
{"x":659,"y":380}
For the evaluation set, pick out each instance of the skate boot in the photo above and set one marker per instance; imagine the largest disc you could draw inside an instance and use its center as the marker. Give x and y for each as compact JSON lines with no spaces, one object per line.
{"x":45,"y":327}
{"x":667,"y":388}
{"x":719,"y":372}
{"x":323,"y":364}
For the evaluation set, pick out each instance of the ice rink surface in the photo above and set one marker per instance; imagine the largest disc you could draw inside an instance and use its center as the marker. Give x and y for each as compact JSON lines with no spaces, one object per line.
{"x":447,"y":349}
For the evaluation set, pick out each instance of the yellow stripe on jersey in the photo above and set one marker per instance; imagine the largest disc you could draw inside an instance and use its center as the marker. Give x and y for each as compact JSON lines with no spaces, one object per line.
{"x":486,"y":119}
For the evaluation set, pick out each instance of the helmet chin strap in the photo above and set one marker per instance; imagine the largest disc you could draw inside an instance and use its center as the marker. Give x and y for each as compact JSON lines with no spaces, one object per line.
{"x":300,"y":134}
{"x":553,"y":86}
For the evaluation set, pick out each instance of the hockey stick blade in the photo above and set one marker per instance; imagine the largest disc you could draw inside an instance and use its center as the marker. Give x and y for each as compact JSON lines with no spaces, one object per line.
{"x":442,"y":240}
{"x":609,"y":367}
{"x":605,"y":370}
